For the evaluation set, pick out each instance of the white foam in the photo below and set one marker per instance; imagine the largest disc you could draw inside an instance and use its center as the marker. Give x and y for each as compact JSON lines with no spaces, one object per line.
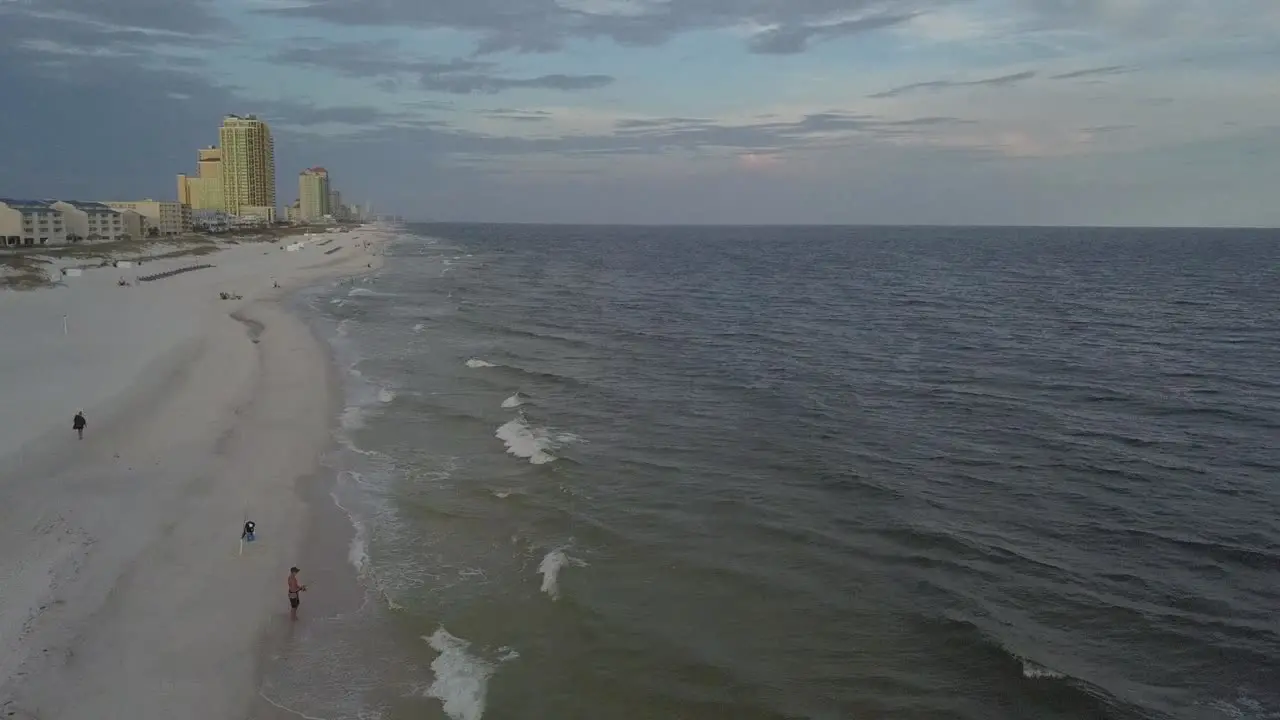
{"x":514,"y":401}
{"x":360,"y":291}
{"x":418,"y":327}
{"x":502,"y":494}
{"x":1035,"y":671}
{"x":535,"y":444}
{"x":386,"y":396}
{"x":1244,"y":707}
{"x":352,"y":418}
{"x":550,"y":568}
{"x":462,"y":679}
{"x":358,"y":550}
{"x":478,"y":363}
{"x":337,"y":301}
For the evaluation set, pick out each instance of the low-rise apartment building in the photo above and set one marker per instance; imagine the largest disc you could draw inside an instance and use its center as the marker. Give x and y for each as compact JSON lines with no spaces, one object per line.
{"x":166,"y":216}
{"x":25,"y":223}
{"x":91,"y":221}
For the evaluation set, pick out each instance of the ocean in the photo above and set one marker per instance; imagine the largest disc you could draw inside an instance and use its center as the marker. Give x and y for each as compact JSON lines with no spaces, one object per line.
{"x":766,"y":473}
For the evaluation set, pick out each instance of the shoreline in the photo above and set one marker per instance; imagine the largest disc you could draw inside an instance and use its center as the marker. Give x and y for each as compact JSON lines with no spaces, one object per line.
{"x":324,"y":548}
{"x":125,"y":593}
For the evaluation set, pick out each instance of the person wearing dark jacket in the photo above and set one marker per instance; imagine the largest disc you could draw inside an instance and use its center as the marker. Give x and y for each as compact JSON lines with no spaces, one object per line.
{"x":79,"y":423}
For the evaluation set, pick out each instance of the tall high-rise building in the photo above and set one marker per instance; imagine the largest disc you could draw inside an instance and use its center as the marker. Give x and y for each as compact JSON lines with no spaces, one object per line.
{"x":335,"y":204}
{"x":313,"y":194}
{"x":248,"y":163}
{"x":204,"y":191}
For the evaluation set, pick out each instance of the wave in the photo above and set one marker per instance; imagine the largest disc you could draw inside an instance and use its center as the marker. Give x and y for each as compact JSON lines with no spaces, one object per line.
{"x":462,"y":679}
{"x":352,"y":418}
{"x":358,"y":549}
{"x":550,"y":568}
{"x":419,"y":327}
{"x":1035,"y":671}
{"x":385,"y":395}
{"x":532,"y":443}
{"x":360,"y":291}
{"x":478,"y":363}
{"x":514,"y":401}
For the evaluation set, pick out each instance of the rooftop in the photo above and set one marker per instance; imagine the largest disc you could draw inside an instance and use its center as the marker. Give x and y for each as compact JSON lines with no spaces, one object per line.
{"x":26,"y":205}
{"x":87,"y":205}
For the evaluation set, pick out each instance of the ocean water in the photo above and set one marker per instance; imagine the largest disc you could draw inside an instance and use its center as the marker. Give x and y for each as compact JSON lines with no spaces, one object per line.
{"x":768,"y":473}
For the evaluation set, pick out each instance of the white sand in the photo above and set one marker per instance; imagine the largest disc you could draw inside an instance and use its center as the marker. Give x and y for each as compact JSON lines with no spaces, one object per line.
{"x":123,"y":593}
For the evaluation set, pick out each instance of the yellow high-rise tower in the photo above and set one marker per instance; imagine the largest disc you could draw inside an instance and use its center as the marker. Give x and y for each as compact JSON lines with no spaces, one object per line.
{"x":313,"y":194}
{"x":248,"y":164}
{"x":203,"y":192}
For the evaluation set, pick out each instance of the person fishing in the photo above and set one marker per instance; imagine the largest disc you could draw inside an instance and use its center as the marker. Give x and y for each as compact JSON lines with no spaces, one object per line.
{"x":79,"y":423}
{"x":295,"y":589}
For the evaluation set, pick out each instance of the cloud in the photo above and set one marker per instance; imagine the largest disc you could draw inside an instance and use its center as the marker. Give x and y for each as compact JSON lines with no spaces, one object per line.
{"x":1000,"y":81}
{"x":1093,"y":72}
{"x":542,"y":26}
{"x":458,"y":76}
{"x":306,"y":115}
{"x":546,"y":25}
{"x":189,"y":17}
{"x":54,"y":31}
{"x":352,"y":59}
{"x":517,"y":115}
{"x":661,"y":136}
{"x":467,"y":83}
{"x":785,"y":40}
{"x":1104,"y":129}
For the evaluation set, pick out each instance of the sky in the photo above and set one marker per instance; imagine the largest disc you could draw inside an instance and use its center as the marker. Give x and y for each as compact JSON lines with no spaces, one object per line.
{"x":1024,"y":112}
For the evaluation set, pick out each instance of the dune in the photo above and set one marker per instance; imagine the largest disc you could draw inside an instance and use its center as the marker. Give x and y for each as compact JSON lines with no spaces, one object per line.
{"x":125,"y":590}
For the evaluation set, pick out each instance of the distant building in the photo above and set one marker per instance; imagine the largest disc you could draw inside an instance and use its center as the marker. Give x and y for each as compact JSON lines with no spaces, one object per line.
{"x":168,"y":217}
{"x":335,"y":204}
{"x":91,"y":221}
{"x":135,"y":225}
{"x":313,"y":194}
{"x":263,"y":214}
{"x":204,"y":191}
{"x":210,"y":220}
{"x":30,"y":223}
{"x":248,"y":164}
{"x":294,"y":212}
{"x":248,"y":221}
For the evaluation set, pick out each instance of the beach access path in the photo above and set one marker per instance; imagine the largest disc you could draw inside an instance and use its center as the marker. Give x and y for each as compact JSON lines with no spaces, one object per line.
{"x":124,"y":589}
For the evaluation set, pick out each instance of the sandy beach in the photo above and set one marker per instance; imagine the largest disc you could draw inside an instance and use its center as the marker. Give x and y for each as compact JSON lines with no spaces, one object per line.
{"x":125,"y":591}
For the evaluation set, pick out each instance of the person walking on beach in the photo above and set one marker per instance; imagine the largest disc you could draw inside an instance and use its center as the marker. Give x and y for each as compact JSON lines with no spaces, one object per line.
{"x":78,"y":423}
{"x":294,"y":590}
